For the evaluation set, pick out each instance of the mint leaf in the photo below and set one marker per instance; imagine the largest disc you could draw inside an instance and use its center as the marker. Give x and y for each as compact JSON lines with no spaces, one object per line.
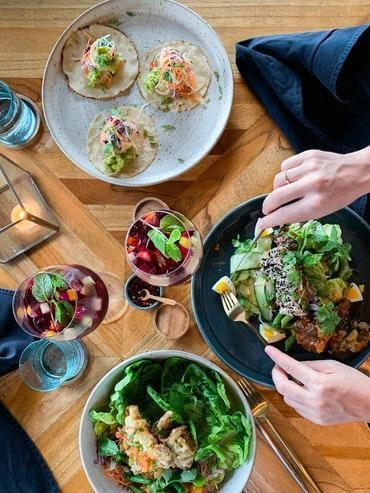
{"x":63,"y":312}
{"x":58,"y":281}
{"x":169,"y":223}
{"x":173,"y":251}
{"x":174,"y":236}
{"x":43,"y":288}
{"x":159,"y":240}
{"x":328,"y":319}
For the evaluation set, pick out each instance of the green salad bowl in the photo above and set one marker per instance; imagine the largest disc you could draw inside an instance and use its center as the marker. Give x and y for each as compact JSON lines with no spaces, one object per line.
{"x":234,"y":481}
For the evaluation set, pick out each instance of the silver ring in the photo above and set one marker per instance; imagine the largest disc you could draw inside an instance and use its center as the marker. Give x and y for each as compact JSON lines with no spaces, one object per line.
{"x":287,"y":181}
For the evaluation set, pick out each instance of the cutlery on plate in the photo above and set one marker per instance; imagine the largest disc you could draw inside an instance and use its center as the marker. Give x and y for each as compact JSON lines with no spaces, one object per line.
{"x":236,"y":313}
{"x":259,"y":407}
{"x":145,"y":295}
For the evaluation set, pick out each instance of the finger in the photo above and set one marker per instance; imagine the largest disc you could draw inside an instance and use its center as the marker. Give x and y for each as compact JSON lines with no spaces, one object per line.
{"x":292,"y":213}
{"x":298,"y":159}
{"x":294,"y":368}
{"x":323,"y":366}
{"x":285,"y":177}
{"x":282,"y":196}
{"x":288,"y":388}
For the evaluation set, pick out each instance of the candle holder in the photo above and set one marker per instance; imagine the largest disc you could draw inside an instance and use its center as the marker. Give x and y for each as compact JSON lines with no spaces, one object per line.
{"x":25,"y":218}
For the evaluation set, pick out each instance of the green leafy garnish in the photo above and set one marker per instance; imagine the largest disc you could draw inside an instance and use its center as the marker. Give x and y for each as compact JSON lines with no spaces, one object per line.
{"x":180,"y":160}
{"x":217,"y":75}
{"x":166,"y":245}
{"x":168,"y":127}
{"x":130,"y":14}
{"x":328,"y":318}
{"x":63,"y":312}
{"x":107,"y":448}
{"x":43,"y":289}
{"x":169,"y":223}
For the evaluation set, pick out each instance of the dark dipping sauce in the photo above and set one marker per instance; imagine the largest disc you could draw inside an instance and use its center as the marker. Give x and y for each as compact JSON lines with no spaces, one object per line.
{"x":135,"y":288}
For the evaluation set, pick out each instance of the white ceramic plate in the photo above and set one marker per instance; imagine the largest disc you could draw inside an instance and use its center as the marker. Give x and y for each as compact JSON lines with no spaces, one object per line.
{"x":234,"y":483}
{"x":68,"y":115}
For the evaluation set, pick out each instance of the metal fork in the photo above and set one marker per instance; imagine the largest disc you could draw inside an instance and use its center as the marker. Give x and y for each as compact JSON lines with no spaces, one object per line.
{"x":236,"y":313}
{"x":259,"y":409}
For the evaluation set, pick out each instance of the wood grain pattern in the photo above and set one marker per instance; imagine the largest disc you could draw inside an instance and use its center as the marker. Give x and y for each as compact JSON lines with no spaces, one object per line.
{"x":95,"y":216}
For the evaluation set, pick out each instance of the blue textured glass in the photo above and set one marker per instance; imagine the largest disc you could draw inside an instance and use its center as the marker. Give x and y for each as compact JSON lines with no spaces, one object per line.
{"x":17,"y":119}
{"x":46,"y":365}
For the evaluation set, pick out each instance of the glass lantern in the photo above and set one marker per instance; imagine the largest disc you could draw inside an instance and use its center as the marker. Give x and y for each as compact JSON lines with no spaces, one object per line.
{"x":25,"y":218}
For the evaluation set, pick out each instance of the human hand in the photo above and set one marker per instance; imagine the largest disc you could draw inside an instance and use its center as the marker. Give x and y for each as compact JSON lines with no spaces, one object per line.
{"x":319,"y":182}
{"x":331,"y":392}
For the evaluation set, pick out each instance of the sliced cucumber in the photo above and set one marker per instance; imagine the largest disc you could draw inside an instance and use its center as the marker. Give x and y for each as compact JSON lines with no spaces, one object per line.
{"x":262,"y":301}
{"x":264,"y":244}
{"x":241,"y":261}
{"x":243,"y":275}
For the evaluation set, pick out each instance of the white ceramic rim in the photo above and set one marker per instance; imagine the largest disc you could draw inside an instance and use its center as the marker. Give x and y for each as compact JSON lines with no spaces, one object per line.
{"x":228,"y":95}
{"x":170,"y":353}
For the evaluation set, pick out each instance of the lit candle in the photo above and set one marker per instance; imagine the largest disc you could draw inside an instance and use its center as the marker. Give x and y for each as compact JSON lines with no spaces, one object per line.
{"x":19,"y":213}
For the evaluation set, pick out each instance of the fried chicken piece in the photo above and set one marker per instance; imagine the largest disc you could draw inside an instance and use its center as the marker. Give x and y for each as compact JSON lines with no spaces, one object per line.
{"x":343,"y":308}
{"x":349,"y":339}
{"x":307,"y":335}
{"x":182,"y":446}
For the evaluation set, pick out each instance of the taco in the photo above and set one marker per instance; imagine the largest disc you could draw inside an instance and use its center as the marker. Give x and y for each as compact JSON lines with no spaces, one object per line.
{"x":99,"y":62}
{"x":174,"y":76}
{"x":122,"y":141}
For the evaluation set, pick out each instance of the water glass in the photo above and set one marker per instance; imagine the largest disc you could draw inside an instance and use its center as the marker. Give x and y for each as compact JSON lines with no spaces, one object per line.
{"x":19,"y":121}
{"x":46,"y":365}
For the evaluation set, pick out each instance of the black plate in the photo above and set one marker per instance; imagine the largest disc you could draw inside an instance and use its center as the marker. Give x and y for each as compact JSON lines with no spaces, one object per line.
{"x":233,"y":342}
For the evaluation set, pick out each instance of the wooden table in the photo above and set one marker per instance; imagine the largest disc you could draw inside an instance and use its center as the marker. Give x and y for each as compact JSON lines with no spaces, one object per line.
{"x":95,"y":215}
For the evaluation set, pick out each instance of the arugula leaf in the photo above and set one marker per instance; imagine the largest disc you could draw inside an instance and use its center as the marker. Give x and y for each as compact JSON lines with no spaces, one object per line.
{"x":168,"y":127}
{"x":43,"y":288}
{"x":159,"y":239}
{"x":107,"y":447}
{"x":63,"y":312}
{"x":168,"y":223}
{"x":328,"y":318}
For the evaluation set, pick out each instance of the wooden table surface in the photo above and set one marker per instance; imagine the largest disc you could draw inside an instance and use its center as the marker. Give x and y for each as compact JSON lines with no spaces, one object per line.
{"x":95,"y":215}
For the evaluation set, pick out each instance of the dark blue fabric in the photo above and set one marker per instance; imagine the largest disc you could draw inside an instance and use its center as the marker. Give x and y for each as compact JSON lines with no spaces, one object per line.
{"x":12,"y":338}
{"x":22,"y":468}
{"x":316,"y":86}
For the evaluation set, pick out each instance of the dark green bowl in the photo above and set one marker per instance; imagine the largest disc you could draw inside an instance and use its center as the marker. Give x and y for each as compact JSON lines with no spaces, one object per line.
{"x":233,"y":342}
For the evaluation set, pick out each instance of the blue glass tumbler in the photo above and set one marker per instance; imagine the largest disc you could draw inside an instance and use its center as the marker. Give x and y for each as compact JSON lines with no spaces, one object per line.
{"x":19,"y":120}
{"x":46,"y":365}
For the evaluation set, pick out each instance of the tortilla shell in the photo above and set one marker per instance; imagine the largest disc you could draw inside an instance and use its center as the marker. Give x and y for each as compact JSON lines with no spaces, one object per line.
{"x":72,"y":52}
{"x":200,"y":67}
{"x":146,"y":151}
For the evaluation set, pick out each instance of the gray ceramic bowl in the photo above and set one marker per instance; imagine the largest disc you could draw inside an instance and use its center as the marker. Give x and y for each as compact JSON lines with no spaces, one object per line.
{"x":234,"y":483}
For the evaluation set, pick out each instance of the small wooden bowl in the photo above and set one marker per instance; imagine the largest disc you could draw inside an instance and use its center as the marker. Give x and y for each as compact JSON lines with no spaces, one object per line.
{"x":147,"y":205}
{"x":172,"y":321}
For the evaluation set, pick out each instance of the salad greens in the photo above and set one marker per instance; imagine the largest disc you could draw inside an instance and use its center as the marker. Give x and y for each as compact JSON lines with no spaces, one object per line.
{"x":296,"y":279}
{"x":197,"y":403}
{"x":100,"y":61}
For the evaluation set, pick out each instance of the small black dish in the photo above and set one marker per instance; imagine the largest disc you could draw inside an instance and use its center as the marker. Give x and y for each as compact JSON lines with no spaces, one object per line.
{"x":133,"y":286}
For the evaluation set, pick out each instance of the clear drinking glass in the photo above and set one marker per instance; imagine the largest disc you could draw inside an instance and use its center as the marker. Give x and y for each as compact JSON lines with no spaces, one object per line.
{"x":62,"y":302}
{"x":18,"y":120}
{"x":45,"y":365}
{"x":157,"y":267}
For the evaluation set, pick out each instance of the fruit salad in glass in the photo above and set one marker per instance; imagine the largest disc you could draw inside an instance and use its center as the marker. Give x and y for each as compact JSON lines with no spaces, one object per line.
{"x":62,"y":302}
{"x":163,"y":248}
